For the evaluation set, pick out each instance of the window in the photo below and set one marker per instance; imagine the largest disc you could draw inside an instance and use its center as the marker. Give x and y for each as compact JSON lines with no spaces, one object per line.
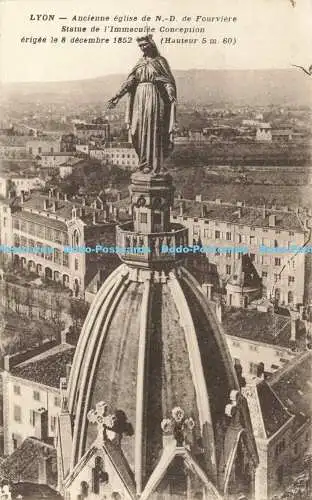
{"x":264,"y":274}
{"x":217,"y":235}
{"x":228,"y":254}
{"x":57,"y":401}
{"x":17,"y":413}
{"x":235,"y":343}
{"x":52,"y":423}
{"x":36,"y":395}
{"x":157,"y":218}
{"x":252,"y":257}
{"x":291,"y":233}
{"x":143,"y":218}
{"x":228,"y":269}
{"x":32,"y":418}
{"x":291,"y":279}
{"x":65,"y":260}
{"x":76,"y":265}
{"x":253,"y":347}
{"x":277,"y":261}
{"x":17,"y":390}
{"x":228,"y":236}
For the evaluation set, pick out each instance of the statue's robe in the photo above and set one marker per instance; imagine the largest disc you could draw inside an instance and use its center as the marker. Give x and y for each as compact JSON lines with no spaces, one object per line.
{"x":150,"y":114}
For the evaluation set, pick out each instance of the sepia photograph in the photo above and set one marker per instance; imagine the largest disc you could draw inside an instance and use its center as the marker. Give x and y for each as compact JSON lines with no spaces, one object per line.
{"x":156,"y":250}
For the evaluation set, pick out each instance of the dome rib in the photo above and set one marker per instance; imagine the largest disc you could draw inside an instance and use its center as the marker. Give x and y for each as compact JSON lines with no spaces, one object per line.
{"x":139,"y":428}
{"x":196,"y":369}
{"x":93,"y":348}
{"x":215,"y":326}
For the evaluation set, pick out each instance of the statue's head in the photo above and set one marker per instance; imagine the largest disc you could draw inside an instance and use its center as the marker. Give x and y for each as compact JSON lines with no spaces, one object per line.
{"x":148,"y":46}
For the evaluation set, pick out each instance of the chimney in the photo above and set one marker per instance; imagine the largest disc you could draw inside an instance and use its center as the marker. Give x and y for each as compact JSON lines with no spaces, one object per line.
{"x":65,"y":197}
{"x":82,"y":212}
{"x":294,"y":325}
{"x":218,"y":201}
{"x":50,"y":193}
{"x":198,"y":197}
{"x":83,"y":202}
{"x":203,"y":210}
{"x":207,"y":289}
{"x":23,"y":197}
{"x":239,"y":212}
{"x":272,"y":220}
{"x":45,"y":204}
{"x":54,"y":206}
{"x":264,"y":212}
{"x":118,"y":196}
{"x":219,"y":311}
{"x":68,"y":368}
{"x":43,"y":423}
{"x":181,"y":209}
{"x":74,"y":212}
{"x":94,"y":217}
{"x":58,"y":195}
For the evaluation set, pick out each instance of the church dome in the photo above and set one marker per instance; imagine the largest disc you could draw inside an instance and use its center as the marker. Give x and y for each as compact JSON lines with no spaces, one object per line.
{"x":151,"y":343}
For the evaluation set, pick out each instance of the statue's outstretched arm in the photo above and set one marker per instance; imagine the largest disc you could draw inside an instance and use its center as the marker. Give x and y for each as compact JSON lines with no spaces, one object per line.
{"x":126,"y":87}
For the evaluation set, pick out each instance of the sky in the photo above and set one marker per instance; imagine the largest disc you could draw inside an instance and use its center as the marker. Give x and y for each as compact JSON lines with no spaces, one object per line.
{"x":269,"y":33}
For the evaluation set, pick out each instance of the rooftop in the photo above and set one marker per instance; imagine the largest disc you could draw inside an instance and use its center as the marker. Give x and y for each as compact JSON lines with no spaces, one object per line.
{"x":274,"y":414}
{"x":293,"y":384}
{"x":23,"y":464}
{"x":46,"y":368}
{"x":249,"y":216}
{"x":58,"y":208}
{"x":258,"y":326}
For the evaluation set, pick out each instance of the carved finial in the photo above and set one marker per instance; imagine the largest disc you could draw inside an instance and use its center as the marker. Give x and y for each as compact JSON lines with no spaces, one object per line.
{"x":109,"y":425}
{"x":178,"y":425}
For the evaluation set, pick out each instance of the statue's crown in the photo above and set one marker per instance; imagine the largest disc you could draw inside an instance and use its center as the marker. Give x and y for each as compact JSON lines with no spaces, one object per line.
{"x":145,"y":38}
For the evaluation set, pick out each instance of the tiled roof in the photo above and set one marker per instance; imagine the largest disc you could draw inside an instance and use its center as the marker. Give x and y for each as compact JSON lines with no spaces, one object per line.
{"x":46,"y":368}
{"x":249,"y":216}
{"x":293,"y":385}
{"x":274,"y":414}
{"x":258,"y":326}
{"x":23,"y":464}
{"x":41,"y":219}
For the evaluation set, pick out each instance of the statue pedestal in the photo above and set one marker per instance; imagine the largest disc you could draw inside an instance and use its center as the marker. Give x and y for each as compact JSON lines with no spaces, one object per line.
{"x":151,"y":199}
{"x":151,"y":239}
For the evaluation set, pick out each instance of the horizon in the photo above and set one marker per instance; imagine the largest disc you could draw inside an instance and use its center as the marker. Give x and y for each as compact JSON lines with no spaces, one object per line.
{"x":30,"y":82}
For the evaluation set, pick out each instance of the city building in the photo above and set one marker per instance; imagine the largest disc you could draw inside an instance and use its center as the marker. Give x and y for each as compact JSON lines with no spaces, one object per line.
{"x":280,"y":410}
{"x":255,"y":337}
{"x":46,"y":224}
{"x":122,"y":154}
{"x":272,"y":238}
{"x":53,"y":160}
{"x":19,"y":184}
{"x":98,"y":128}
{"x":31,"y":394}
{"x":39,"y":146}
{"x":264,"y":132}
{"x":147,"y":413}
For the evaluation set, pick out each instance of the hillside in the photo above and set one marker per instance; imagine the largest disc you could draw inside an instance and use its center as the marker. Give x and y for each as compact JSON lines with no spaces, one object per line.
{"x":235,"y":87}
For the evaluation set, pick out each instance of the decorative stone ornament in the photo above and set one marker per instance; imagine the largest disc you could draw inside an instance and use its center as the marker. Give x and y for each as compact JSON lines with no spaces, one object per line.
{"x":178,"y":425}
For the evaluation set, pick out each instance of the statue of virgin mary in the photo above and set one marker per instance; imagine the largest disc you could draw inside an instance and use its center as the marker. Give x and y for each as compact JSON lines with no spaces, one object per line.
{"x":151,"y":107}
